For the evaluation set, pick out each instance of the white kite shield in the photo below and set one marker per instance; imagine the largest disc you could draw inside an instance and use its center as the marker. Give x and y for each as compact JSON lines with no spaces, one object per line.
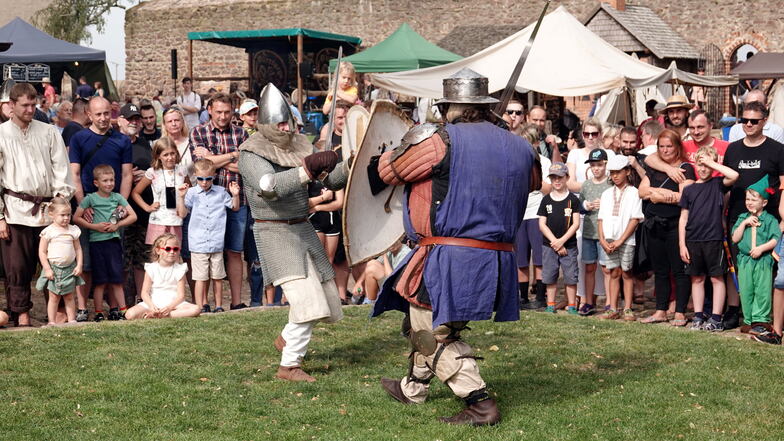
{"x":372,"y":224}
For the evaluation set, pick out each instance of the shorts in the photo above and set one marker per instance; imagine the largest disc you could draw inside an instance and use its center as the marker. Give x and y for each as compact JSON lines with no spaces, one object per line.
{"x":590,"y":251}
{"x":623,"y":257}
{"x":778,"y":281}
{"x":326,"y":222}
{"x":107,"y":262}
{"x":64,"y":281}
{"x":707,"y":259}
{"x":236,"y":226}
{"x":207,"y":266}
{"x":155,"y":231}
{"x":551,"y":262}
{"x":528,"y":243}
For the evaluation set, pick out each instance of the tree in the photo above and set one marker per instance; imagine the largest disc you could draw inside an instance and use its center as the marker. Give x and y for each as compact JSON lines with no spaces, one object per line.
{"x":69,"y":19}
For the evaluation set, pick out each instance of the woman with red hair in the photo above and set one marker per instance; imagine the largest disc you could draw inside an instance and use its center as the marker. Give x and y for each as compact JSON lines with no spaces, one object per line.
{"x":660,"y":228}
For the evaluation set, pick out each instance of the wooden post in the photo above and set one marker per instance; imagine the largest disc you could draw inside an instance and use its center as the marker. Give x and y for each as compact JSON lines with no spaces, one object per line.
{"x":300,"y":44}
{"x":190,"y":59}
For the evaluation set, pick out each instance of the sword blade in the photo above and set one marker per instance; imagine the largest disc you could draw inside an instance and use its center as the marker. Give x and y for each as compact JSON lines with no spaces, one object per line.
{"x":510,"y":85}
{"x":328,"y":143}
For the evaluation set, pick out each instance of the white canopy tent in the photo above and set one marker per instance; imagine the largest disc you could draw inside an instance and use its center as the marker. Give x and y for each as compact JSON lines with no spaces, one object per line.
{"x":677,"y":76}
{"x":566,"y":59}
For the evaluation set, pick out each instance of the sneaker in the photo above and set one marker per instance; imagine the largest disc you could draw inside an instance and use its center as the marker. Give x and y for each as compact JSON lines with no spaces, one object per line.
{"x":238,"y":306}
{"x":572,"y":310}
{"x":82,"y":315}
{"x":731,"y":321}
{"x":205,"y":309}
{"x":713,"y":326}
{"x":697,"y":324}
{"x":769,"y":337}
{"x":114,"y":314}
{"x":534,"y":305}
{"x":587,"y":310}
{"x":99,"y":317}
{"x":610,"y":314}
{"x":628,"y":315}
{"x":758,"y":329}
{"x":217,"y":309}
{"x":550,"y":308}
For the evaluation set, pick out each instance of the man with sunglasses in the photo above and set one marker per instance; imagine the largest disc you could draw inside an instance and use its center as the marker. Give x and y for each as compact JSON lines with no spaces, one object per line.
{"x":771,"y":129}
{"x":753,"y":157}
{"x":514,"y":116}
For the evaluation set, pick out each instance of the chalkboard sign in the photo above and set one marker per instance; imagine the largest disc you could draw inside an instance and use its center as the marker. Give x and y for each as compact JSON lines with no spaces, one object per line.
{"x":16,"y":72}
{"x":36,"y":72}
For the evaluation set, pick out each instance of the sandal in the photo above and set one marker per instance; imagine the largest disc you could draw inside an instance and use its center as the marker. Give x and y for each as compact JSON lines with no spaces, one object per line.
{"x":678,"y":322}
{"x":652,"y":319}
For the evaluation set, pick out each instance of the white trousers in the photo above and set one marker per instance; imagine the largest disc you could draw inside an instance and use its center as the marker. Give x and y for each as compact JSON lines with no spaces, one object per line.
{"x":297,"y":336}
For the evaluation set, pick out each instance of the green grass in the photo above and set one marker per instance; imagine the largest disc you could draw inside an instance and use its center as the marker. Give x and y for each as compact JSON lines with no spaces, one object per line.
{"x":211,"y":378}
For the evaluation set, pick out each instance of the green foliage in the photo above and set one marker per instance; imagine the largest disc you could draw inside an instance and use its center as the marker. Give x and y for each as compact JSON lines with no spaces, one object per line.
{"x":555,"y":378}
{"x":69,"y":19}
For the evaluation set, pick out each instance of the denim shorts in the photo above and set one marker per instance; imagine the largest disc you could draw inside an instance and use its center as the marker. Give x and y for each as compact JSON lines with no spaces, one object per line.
{"x":590,"y":250}
{"x":236,"y":226}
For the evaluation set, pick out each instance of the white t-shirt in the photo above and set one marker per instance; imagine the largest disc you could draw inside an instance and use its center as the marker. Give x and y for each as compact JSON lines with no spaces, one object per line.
{"x":631,"y":208}
{"x":164,"y":282}
{"x":160,"y":179}
{"x":190,"y":100}
{"x":578,"y":158}
{"x":535,"y":197}
{"x":61,"y":243}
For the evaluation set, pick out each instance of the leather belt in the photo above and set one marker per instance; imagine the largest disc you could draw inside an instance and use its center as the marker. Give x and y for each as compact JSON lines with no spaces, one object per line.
{"x":463,"y":242}
{"x":298,"y":220}
{"x":36,"y":200}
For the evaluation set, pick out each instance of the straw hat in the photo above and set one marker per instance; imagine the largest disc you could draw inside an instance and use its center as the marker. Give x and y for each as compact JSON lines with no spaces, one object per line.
{"x":677,"y":102}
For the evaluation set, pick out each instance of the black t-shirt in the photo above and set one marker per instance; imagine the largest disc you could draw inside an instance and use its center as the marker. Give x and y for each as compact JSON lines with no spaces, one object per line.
{"x":150,"y":137}
{"x":70,"y":129}
{"x":705,"y":202}
{"x":752,"y":163}
{"x":142,"y":160}
{"x":559,"y":216}
{"x":661,"y":180}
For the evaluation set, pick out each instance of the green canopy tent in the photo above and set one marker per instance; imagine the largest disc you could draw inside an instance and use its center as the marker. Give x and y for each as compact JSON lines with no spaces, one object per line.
{"x":403,"y":50}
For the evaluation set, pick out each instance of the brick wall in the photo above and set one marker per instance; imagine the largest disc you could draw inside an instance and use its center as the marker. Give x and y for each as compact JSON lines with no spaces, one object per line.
{"x":155,"y":27}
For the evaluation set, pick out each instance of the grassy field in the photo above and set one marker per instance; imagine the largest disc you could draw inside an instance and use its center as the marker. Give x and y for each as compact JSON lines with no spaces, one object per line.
{"x":211,"y":378}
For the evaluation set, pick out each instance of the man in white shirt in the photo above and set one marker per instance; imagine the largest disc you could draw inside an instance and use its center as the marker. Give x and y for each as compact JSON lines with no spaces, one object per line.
{"x":33,"y":169}
{"x":771,"y":129}
{"x":190,"y":103}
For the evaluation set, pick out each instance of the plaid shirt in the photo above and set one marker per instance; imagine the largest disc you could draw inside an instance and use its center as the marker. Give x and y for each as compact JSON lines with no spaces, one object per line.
{"x":219,"y":142}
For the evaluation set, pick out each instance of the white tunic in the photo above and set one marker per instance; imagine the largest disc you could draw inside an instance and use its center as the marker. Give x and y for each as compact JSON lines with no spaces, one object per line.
{"x":33,"y":162}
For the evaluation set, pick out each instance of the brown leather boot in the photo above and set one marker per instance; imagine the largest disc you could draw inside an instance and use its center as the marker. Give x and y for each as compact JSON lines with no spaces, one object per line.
{"x":293,"y":373}
{"x":482,"y":413}
{"x":279,"y":343}
{"x":394,"y":390}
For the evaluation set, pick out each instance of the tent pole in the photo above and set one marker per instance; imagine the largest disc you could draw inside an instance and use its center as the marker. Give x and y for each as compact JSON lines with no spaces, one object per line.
{"x":190,"y":59}
{"x":300,"y":45}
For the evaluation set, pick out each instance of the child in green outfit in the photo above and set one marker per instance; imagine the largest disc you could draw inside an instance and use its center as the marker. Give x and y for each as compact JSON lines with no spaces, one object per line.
{"x":756,"y":234}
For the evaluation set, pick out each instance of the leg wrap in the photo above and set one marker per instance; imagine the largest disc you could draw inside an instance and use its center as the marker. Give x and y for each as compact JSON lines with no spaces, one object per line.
{"x":476,"y":396}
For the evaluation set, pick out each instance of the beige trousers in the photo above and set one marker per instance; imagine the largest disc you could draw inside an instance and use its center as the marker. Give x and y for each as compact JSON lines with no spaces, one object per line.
{"x":460,"y":374}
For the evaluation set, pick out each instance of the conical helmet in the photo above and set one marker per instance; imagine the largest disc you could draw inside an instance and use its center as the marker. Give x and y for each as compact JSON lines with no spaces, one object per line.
{"x":466,"y":87}
{"x":5,"y":91}
{"x":273,"y":108}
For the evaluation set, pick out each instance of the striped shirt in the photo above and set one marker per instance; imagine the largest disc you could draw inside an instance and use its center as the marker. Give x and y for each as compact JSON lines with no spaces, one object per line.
{"x":219,"y":142}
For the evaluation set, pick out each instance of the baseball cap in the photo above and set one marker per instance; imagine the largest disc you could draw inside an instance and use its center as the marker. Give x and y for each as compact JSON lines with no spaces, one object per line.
{"x":129,"y":110}
{"x":247,"y":106}
{"x":596,"y":155}
{"x":617,"y":162}
{"x":558,"y":169}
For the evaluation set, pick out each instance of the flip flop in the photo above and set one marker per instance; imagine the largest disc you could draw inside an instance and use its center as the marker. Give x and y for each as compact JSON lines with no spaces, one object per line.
{"x":679,"y":322}
{"x":652,"y":319}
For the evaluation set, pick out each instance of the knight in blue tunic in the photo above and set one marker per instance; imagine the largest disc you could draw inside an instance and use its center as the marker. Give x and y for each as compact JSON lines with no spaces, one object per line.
{"x":466,"y":186}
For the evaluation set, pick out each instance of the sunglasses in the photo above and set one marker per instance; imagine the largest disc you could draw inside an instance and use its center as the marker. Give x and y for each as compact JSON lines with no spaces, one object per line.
{"x":205,"y":178}
{"x":590,"y":134}
{"x":753,"y":121}
{"x":170,"y":249}
{"x":514,"y":112}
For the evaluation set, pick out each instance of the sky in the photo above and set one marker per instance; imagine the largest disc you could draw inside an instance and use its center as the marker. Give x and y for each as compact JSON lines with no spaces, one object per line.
{"x":112,"y":40}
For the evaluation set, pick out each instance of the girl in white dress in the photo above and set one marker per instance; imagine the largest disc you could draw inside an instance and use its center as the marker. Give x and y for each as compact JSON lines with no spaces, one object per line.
{"x":163,"y":290}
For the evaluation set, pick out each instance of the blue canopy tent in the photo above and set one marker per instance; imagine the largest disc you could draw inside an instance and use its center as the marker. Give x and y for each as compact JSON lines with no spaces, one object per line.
{"x":31,"y":45}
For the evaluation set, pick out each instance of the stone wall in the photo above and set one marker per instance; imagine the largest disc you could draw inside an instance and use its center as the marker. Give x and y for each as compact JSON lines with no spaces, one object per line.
{"x":155,"y":27}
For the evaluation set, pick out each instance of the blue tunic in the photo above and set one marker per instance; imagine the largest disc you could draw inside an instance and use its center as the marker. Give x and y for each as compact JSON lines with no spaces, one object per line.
{"x":489,"y":172}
